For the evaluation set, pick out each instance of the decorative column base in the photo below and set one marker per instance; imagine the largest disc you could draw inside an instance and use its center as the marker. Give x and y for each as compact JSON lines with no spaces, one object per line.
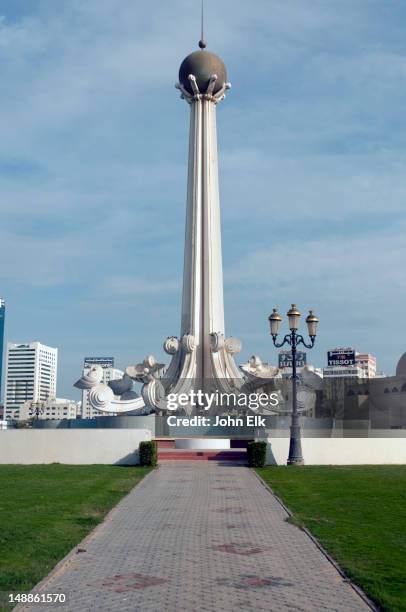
{"x":295,"y":447}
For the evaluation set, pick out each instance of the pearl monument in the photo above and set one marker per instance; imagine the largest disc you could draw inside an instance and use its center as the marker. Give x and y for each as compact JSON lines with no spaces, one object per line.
{"x":202,"y":356}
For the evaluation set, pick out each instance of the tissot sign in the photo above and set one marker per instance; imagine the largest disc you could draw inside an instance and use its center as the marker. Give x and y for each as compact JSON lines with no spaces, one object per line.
{"x":341,"y":357}
{"x":285,"y":359}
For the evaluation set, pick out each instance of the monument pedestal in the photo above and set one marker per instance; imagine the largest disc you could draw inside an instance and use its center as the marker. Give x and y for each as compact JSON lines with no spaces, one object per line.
{"x":203,"y":443}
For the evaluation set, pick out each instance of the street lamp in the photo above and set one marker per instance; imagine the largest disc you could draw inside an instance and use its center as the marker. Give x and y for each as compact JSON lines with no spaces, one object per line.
{"x":36,"y":409}
{"x":293,"y":340}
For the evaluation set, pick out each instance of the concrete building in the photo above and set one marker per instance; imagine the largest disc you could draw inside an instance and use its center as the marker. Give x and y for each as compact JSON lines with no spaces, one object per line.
{"x":348,"y":363}
{"x":354,"y":371}
{"x":87,"y":411}
{"x":367,"y":363}
{"x":52,"y":408}
{"x":366,"y":402}
{"x":2,"y":321}
{"x":31,"y":371}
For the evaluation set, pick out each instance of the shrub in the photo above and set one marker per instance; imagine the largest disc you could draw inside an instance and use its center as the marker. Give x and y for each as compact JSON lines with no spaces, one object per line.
{"x":148,"y":453}
{"x":256,"y":452}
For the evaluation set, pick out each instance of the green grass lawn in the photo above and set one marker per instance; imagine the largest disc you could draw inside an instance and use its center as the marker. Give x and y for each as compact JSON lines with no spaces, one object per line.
{"x":45,"y":510}
{"x":358,"y":513}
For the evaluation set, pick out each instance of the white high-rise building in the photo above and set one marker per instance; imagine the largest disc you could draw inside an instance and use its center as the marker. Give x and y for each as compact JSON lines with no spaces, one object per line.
{"x":31,"y":371}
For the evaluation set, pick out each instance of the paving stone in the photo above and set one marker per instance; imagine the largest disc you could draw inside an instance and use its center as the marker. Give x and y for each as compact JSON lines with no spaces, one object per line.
{"x":199,"y":537}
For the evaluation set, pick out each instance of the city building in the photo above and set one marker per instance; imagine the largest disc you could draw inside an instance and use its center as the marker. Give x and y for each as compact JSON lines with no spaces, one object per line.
{"x":109,"y":373}
{"x":367,"y":363}
{"x":51,"y":408}
{"x":2,"y":321}
{"x":370,"y":403}
{"x":31,"y":371}
{"x":354,"y":371}
{"x":348,"y":363}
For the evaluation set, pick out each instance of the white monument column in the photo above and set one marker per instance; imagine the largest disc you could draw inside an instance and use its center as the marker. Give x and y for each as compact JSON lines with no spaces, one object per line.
{"x":201,"y":357}
{"x":202,"y":302}
{"x":203,"y":81}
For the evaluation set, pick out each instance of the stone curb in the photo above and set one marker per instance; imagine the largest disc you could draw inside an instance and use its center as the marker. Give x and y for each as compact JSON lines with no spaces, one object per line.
{"x":329,"y":558}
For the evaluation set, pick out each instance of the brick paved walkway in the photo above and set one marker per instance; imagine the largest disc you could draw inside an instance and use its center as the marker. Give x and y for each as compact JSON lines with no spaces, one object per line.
{"x":199,"y":537}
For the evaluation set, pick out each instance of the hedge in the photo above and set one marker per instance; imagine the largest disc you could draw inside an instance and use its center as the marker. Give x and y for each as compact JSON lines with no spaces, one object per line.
{"x":256,"y":452}
{"x":148,"y":453}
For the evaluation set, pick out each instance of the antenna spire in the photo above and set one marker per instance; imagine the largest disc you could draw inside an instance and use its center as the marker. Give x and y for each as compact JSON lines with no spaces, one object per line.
{"x":202,"y":42}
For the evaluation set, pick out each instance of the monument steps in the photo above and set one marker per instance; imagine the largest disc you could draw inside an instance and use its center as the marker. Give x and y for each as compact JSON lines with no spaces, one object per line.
{"x":166,"y":444}
{"x":201,"y":455}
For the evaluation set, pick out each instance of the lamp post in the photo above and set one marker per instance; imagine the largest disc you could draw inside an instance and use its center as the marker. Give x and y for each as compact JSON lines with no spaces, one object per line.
{"x":293,"y":339}
{"x":36,"y":409}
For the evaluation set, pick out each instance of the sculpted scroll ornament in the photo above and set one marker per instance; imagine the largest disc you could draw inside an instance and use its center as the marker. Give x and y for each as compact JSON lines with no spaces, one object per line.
{"x":91,"y":379}
{"x":216,"y":341}
{"x":153,"y":394}
{"x":189,"y":343}
{"x":233,"y":345}
{"x":171,"y":345}
{"x":104,"y":397}
{"x":145,"y":371}
{"x":101,"y":396}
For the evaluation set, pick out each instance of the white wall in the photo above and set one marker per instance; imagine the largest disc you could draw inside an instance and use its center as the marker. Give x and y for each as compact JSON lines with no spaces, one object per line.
{"x":71,"y":446}
{"x":115,"y":446}
{"x":340,"y":451}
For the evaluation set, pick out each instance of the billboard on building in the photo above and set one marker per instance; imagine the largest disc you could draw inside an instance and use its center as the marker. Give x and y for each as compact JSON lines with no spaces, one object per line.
{"x":341,"y":357}
{"x":104,"y":362}
{"x":285,"y":359}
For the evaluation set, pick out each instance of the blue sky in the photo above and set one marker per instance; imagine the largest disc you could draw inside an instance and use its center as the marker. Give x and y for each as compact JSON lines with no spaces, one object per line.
{"x":93,"y":154}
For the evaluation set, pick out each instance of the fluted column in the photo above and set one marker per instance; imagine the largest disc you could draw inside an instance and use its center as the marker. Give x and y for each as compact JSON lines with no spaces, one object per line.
{"x":202,"y":301}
